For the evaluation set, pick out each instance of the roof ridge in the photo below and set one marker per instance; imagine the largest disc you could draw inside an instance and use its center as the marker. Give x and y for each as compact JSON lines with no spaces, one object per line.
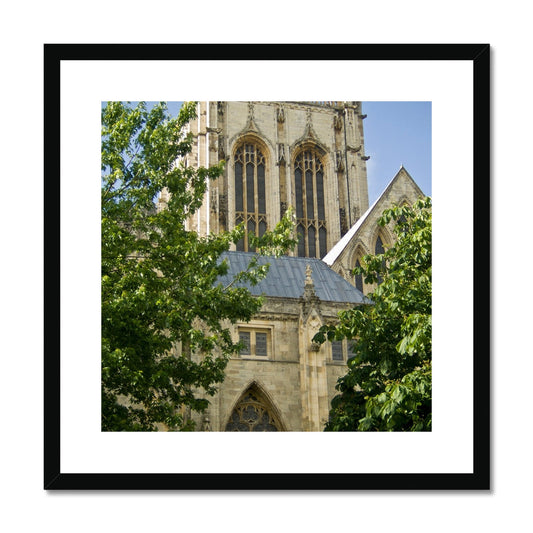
{"x":336,"y":251}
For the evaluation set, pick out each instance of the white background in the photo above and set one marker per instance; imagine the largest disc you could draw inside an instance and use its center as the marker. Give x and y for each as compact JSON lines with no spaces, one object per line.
{"x":84,"y":448}
{"x":27,"y":26}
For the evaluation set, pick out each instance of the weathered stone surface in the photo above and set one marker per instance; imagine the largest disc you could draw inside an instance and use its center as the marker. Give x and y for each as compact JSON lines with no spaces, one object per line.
{"x":296,"y":380}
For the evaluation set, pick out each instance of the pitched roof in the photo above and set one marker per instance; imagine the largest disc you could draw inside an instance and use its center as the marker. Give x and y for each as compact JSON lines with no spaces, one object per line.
{"x":336,"y":251}
{"x":286,"y":278}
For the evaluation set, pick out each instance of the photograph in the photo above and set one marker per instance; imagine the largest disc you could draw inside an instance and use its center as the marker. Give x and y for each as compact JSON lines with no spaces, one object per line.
{"x":259,"y":257}
{"x":231,"y":235}
{"x":258,"y":261}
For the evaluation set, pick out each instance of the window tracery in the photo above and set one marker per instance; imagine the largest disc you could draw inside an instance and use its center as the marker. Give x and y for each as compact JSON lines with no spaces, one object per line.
{"x":310,"y":204}
{"x":253,"y":414}
{"x":250,"y":192}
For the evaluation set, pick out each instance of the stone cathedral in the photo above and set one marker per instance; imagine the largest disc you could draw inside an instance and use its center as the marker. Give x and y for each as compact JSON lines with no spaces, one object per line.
{"x":309,"y":155}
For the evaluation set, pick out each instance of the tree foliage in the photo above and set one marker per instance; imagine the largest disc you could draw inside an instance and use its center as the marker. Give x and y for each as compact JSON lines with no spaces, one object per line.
{"x":159,"y":281}
{"x":388,"y":384}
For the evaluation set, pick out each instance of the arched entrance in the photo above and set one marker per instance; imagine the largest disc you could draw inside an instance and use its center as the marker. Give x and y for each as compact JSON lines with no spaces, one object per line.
{"x":253,"y":412}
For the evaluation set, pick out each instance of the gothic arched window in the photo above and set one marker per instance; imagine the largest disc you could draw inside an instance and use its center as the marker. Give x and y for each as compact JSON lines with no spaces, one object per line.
{"x":252,"y":413}
{"x":250,"y":191}
{"x":309,"y":199}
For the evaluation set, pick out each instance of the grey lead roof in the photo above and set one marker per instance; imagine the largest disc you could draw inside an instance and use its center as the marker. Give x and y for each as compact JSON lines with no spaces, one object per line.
{"x":286,"y":278}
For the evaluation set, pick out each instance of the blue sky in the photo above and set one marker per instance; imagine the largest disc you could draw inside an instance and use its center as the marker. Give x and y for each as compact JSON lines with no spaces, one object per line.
{"x":396,"y":134}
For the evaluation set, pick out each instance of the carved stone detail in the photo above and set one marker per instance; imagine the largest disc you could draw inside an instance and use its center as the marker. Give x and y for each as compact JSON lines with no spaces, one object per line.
{"x":223,"y":210}
{"x":343,"y":220}
{"x":309,"y":125}
{"x":309,"y":133}
{"x":339,"y":161}
{"x":281,"y":154}
{"x":353,"y":149}
{"x":206,"y":423}
{"x":213,"y":202}
{"x":309,"y":285}
{"x":251,"y":112}
{"x":221,"y":149}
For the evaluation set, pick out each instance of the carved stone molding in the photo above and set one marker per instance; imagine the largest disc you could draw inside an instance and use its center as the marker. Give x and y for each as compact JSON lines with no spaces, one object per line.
{"x":250,"y":126}
{"x":309,"y":133}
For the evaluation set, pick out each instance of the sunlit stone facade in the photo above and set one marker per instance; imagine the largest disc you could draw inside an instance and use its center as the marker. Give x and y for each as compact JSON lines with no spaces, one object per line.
{"x":311,"y":156}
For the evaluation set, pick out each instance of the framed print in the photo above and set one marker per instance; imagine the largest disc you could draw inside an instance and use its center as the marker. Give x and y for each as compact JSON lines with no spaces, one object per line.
{"x":280,"y":151}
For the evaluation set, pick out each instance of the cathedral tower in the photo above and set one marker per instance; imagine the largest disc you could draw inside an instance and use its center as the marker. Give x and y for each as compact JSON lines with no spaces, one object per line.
{"x":309,"y":155}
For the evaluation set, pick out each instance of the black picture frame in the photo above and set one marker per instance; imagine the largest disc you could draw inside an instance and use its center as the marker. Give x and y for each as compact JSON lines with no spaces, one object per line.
{"x":479,"y":479}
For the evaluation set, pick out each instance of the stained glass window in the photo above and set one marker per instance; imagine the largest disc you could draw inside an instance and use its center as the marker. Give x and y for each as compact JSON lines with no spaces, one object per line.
{"x":322,"y":241}
{"x":250,"y":196}
{"x":309,"y":194}
{"x":298,"y":193}
{"x":320,"y":195}
{"x":310,"y":204}
{"x":312,"y":241}
{"x":253,"y":413}
{"x":250,"y":191}
{"x":262,"y":228}
{"x":301,"y":240}
{"x":238,"y":186}
{"x":261,"y":195}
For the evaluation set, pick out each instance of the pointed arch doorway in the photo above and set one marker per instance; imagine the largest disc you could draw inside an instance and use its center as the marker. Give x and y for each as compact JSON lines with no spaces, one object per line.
{"x":254,"y":412}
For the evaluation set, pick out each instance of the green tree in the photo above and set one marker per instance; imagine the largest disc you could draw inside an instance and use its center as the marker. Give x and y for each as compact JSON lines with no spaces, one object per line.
{"x":388,"y":384}
{"x":159,"y":281}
